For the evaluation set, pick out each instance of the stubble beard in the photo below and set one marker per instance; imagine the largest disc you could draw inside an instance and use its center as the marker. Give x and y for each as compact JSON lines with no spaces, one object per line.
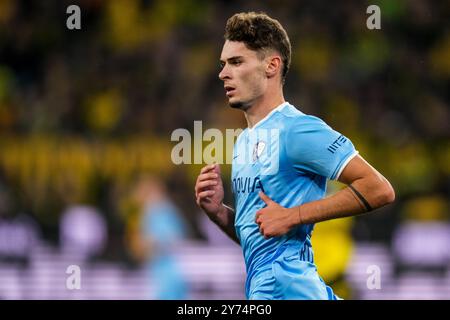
{"x":241,"y":105}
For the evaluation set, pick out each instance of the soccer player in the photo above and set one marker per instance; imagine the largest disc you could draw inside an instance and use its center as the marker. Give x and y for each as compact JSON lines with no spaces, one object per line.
{"x":281,"y":164}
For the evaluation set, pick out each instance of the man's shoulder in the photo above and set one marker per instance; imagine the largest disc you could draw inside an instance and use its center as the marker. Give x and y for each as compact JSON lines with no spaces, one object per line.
{"x":293,"y":117}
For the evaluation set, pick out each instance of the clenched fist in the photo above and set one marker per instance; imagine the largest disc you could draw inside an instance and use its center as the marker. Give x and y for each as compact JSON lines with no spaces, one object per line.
{"x":209,"y":191}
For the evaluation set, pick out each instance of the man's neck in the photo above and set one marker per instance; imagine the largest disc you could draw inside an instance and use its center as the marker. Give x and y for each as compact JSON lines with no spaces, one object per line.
{"x":261,"y":109}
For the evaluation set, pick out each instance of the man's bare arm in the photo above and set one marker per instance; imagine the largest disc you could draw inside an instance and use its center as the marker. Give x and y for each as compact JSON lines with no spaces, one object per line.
{"x":367,"y":190}
{"x":225,"y":220}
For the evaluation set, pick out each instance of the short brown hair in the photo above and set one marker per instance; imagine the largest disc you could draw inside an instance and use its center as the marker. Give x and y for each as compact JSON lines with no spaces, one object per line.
{"x":259,"y":32}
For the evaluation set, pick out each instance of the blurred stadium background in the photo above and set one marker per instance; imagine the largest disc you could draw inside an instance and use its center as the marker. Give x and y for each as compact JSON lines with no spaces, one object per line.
{"x":86,"y":118}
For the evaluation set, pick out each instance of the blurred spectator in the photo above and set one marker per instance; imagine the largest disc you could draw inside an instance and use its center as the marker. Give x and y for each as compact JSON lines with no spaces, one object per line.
{"x":422,"y":245}
{"x":19,"y":233}
{"x":161,"y":229}
{"x":423,"y":239}
{"x":83,"y":232}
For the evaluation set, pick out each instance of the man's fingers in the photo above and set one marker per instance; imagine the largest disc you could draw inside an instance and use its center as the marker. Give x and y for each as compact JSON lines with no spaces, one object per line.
{"x":204,"y":194}
{"x":265,"y":198}
{"x":207,"y":176}
{"x":257,"y":216}
{"x":206,"y":173}
{"x":205,"y":184}
{"x":264,"y":234}
{"x":207,"y":168}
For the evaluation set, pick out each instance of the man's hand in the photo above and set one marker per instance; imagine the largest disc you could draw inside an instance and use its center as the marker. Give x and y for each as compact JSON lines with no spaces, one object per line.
{"x":275,"y":220}
{"x":209,"y":191}
{"x":209,"y":196}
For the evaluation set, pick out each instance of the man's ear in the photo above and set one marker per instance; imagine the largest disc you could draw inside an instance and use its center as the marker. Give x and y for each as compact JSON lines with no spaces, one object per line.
{"x":273,"y":66}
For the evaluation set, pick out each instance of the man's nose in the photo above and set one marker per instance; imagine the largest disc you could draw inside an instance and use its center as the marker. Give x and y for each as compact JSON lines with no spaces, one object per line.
{"x":224,"y":73}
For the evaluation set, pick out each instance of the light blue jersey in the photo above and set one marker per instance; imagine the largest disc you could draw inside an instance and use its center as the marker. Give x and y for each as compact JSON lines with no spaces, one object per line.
{"x":289,"y":155}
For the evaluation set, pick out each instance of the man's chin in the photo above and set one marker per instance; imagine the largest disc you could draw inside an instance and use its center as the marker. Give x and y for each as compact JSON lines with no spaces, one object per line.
{"x":238,"y":105}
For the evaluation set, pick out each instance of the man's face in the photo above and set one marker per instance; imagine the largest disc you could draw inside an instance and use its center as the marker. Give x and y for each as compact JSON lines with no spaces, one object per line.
{"x":243,"y":74}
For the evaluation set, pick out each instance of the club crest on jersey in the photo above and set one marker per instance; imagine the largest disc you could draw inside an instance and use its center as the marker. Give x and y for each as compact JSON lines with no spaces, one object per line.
{"x":258,"y":150}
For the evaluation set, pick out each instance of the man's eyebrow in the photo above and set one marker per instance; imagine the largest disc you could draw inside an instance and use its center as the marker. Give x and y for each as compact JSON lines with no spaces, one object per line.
{"x":231,"y":59}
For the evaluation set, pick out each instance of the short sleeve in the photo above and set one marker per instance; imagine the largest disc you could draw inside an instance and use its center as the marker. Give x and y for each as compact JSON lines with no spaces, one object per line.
{"x":313,"y":146}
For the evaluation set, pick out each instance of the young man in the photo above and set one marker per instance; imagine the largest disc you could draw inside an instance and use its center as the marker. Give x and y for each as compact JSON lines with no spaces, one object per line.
{"x":281,"y":163}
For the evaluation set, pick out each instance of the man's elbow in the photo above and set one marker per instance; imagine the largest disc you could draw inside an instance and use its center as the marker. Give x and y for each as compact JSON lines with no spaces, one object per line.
{"x":385,"y":194}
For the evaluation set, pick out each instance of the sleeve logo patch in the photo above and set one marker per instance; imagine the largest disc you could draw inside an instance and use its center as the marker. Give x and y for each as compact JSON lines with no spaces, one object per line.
{"x":337,"y":143}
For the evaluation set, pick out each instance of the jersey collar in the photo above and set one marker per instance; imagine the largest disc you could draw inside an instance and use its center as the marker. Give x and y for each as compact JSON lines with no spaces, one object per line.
{"x":279,"y":107}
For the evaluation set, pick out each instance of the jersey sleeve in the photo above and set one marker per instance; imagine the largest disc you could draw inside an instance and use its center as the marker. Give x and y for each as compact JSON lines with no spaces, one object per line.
{"x":314,"y":147}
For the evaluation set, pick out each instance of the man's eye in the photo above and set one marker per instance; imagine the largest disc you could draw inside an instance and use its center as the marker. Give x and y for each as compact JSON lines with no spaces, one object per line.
{"x":236,"y":63}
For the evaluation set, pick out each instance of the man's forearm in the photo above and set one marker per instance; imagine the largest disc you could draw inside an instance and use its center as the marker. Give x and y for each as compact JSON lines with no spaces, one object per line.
{"x":225,"y":220}
{"x":361,"y":197}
